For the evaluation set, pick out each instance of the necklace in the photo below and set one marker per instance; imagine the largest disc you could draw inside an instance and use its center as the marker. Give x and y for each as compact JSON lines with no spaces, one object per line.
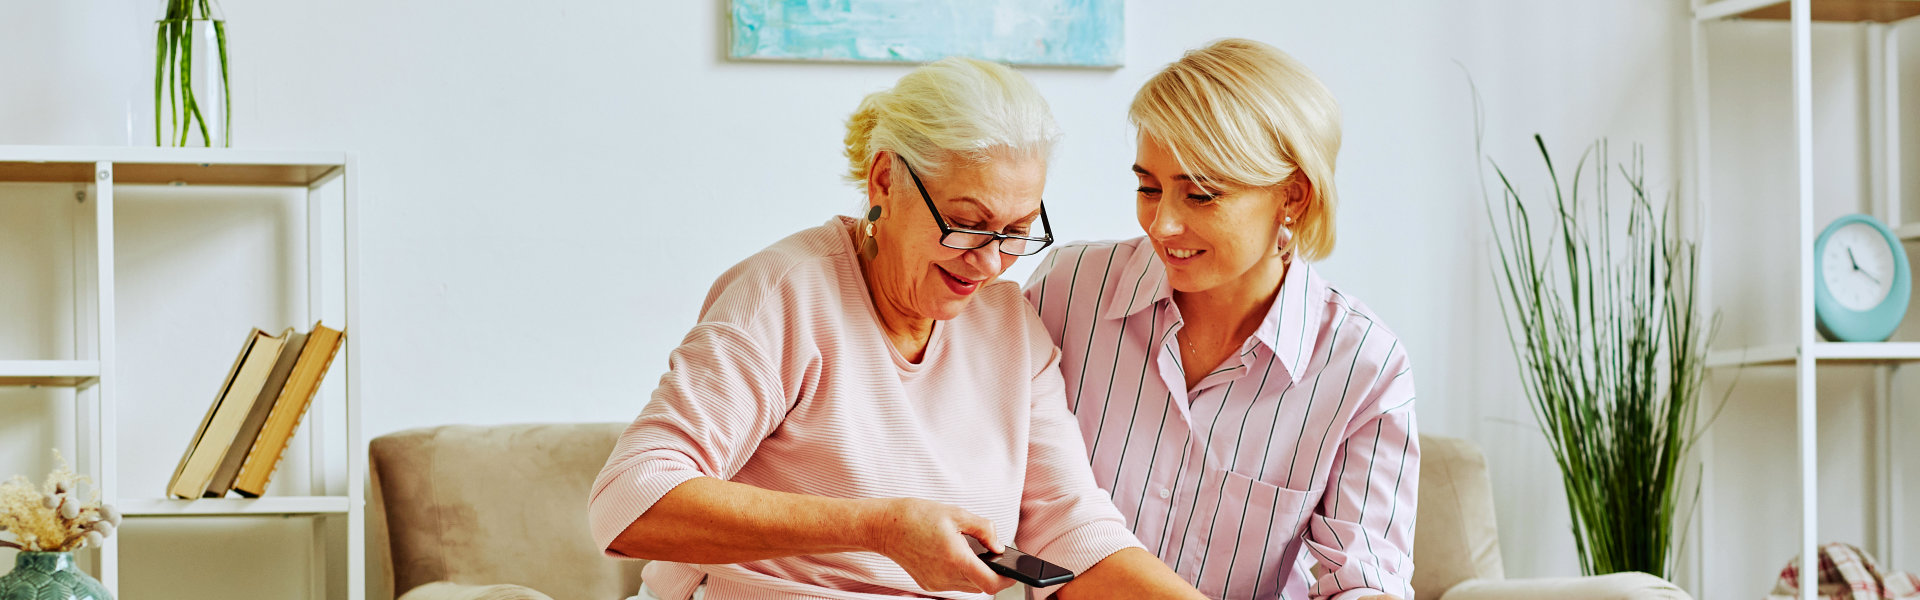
{"x":1193,"y":347}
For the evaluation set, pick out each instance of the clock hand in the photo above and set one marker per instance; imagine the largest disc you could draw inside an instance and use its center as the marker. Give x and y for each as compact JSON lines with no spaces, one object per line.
{"x":1851,"y":259}
{"x":1876,"y":280}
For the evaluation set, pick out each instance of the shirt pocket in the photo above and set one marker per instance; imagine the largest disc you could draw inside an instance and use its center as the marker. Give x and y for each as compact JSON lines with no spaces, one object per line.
{"x":1249,"y":538}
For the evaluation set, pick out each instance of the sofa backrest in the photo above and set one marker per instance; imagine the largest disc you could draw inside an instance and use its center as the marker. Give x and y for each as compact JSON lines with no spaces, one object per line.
{"x":1455,"y":535}
{"x":507,"y":504}
{"x":496,"y":504}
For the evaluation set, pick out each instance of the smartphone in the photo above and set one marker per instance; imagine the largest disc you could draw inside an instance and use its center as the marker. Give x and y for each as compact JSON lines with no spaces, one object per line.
{"x":1022,"y":567}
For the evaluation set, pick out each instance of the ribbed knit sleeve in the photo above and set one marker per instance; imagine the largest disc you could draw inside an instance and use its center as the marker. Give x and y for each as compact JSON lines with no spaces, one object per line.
{"x":719,"y":398}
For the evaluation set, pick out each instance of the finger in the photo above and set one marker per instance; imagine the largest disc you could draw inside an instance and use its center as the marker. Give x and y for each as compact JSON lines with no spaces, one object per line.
{"x":974,"y":572}
{"x":981,"y":529}
{"x":984,"y":579}
{"x":999,"y":583}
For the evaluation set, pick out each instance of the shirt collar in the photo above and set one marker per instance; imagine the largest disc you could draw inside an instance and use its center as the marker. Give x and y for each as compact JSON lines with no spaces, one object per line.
{"x":1148,"y":281}
{"x":1291,"y":329}
{"x":1286,"y":331}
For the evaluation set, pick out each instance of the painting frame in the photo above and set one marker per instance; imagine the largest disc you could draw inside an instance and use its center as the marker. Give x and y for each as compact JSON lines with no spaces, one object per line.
{"x":1030,"y":33}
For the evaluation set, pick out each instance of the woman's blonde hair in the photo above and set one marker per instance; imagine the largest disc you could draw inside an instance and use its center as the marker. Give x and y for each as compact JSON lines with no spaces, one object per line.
{"x":953,"y":110}
{"x":1245,"y":114}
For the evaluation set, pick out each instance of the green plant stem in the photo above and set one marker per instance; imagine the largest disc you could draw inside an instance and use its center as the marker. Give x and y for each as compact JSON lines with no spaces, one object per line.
{"x":173,"y":74}
{"x":186,"y":84}
{"x":160,"y":52}
{"x":226,"y":84}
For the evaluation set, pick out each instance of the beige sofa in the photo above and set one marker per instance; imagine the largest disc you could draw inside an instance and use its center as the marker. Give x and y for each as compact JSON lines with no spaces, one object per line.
{"x":499,"y":513}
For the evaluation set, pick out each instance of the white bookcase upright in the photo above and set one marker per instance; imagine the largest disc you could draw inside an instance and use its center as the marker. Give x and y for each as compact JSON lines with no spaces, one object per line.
{"x":91,"y":372}
{"x":1880,"y":54}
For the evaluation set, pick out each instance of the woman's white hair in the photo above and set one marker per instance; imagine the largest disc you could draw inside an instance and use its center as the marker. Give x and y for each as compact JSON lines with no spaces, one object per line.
{"x":953,"y":111}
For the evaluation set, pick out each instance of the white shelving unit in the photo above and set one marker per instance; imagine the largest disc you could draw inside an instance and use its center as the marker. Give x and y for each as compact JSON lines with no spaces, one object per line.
{"x":92,"y":372}
{"x":1810,"y":351}
{"x":1777,"y":355}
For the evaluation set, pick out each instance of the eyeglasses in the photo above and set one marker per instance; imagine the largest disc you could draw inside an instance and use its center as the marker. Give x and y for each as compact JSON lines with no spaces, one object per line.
{"x":969,"y":239}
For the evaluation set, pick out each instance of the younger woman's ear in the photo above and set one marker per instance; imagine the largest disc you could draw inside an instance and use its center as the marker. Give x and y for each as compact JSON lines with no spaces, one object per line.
{"x":1295,"y":193}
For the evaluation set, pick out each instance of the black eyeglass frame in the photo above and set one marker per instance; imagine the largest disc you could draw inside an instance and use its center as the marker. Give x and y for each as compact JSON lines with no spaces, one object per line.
{"x":947,"y":232}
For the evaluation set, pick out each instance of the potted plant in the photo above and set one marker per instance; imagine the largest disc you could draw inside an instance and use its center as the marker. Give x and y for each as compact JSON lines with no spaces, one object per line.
{"x":1603,"y":316}
{"x":48,"y":524}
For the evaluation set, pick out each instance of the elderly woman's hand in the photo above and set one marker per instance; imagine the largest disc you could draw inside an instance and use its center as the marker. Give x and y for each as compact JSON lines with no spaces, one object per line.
{"x":929,"y":540}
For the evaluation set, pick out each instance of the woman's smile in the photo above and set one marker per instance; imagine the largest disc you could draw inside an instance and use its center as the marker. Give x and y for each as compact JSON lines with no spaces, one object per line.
{"x":1181,"y":257}
{"x":960,"y":285}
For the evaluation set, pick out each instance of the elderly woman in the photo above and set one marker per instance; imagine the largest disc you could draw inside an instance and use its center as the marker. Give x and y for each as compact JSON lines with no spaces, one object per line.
{"x":862,"y":397}
{"x":1239,"y":407}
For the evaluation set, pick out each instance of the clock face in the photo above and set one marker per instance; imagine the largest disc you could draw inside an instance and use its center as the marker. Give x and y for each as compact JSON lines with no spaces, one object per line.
{"x":1858,"y":267}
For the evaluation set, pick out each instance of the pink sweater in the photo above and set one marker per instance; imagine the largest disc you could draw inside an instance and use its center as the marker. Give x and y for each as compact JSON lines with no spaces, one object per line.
{"x":787,"y":383}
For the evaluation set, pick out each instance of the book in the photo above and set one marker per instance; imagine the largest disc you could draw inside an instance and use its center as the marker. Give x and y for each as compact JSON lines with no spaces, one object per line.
{"x":215,"y":407}
{"x":316,"y":355}
{"x":262,"y":405}
{"x":230,"y":409}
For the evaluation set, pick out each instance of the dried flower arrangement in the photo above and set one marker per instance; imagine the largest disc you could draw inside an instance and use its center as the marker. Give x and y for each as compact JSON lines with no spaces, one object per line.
{"x":53,"y":518}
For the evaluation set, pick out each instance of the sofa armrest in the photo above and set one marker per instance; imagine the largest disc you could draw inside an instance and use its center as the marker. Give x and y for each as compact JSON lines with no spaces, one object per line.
{"x":1618,"y":586}
{"x":444,"y":590}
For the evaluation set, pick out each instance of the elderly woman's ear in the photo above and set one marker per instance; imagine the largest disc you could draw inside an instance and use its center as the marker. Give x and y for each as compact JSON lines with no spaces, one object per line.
{"x":880,"y":178}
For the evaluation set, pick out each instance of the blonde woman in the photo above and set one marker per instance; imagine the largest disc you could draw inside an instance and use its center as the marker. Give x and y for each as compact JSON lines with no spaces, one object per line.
{"x":862,"y":397}
{"x":1241,"y":409}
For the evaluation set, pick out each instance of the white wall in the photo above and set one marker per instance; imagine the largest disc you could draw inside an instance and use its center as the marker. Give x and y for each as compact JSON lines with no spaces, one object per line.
{"x":548,"y":190}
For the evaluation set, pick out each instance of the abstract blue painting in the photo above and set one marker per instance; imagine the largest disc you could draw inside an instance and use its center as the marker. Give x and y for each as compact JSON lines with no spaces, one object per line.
{"x":1078,"y":33}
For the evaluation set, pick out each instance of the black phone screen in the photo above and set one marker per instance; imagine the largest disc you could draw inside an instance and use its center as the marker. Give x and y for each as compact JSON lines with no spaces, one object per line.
{"x":1025,"y":568}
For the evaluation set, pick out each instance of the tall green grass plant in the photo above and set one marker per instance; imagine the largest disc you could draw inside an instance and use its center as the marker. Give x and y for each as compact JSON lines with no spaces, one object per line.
{"x":1602,"y":307}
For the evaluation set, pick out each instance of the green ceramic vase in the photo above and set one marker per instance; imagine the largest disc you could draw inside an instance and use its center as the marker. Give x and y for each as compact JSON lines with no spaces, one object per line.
{"x":49,"y":576}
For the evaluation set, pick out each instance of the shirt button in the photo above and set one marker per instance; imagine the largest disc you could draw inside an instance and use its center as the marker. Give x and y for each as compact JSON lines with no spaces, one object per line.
{"x":1165,"y":493}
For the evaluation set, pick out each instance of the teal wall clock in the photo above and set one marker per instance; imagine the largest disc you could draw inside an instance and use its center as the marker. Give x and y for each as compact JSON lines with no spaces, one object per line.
{"x":1861,"y":280}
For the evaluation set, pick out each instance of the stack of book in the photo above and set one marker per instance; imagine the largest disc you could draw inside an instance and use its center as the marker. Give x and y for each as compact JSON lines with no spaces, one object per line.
{"x":245,"y":432}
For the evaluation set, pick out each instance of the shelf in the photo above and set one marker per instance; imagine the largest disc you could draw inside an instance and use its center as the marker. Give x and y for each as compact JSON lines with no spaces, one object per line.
{"x":168,"y":166}
{"x":1908,"y":232}
{"x":102,"y":418}
{"x":49,"y":373}
{"x":234,"y":507}
{"x":1845,"y":11}
{"x":1826,"y":352}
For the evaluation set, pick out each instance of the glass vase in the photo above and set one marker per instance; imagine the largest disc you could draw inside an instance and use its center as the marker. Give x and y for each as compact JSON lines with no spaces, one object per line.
{"x":191,"y":74}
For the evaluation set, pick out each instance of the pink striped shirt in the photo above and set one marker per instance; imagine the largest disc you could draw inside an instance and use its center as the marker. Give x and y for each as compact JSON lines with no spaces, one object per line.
{"x":787,"y":383}
{"x":1304,"y":439}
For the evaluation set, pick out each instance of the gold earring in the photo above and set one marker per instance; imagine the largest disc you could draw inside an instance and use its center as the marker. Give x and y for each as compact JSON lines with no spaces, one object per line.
{"x":868,"y":247}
